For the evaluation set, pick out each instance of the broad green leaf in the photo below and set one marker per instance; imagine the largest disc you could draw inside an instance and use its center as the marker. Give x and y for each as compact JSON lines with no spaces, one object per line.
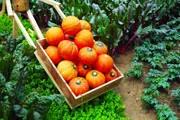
{"x":6,"y":61}
{"x":145,"y":30}
{"x":36,"y":116}
{"x":10,"y":88}
{"x":2,"y":80}
{"x":20,"y":112}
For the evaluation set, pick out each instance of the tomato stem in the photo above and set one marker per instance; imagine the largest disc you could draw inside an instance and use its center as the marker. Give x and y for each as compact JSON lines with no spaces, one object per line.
{"x":89,"y":49}
{"x":112,"y":74}
{"x":99,"y":43}
{"x":74,"y":66}
{"x":78,"y":82}
{"x":85,"y":66}
{"x":94,"y":73}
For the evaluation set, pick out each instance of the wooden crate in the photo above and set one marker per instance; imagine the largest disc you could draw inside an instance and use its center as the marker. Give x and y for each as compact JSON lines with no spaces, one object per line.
{"x":62,"y":85}
{"x":47,"y":64}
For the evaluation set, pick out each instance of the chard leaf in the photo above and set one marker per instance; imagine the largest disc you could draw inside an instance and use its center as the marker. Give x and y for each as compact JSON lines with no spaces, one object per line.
{"x":20,"y":112}
{"x":10,"y":44}
{"x":2,"y":80}
{"x":51,"y":24}
{"x":36,"y":115}
{"x":6,"y":61}
{"x":10,"y":88}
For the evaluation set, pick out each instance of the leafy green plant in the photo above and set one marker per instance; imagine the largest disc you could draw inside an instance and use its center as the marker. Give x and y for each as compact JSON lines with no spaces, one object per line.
{"x":114,"y":22}
{"x":7,"y":24}
{"x":159,"y":52}
{"x":160,"y":79}
{"x":149,"y":96}
{"x":165,"y":113}
{"x":141,"y":15}
{"x":173,"y":57}
{"x":173,"y":70}
{"x":176,"y":95}
{"x":136,"y":71}
{"x":18,"y":103}
{"x":43,"y":13}
{"x":108,"y":106}
{"x":18,"y":67}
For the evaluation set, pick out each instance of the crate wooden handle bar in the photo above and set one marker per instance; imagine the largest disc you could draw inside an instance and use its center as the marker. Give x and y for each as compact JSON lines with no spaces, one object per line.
{"x":3,"y":7}
{"x":18,"y":23}
{"x":56,"y":5}
{"x":34,"y":24}
{"x":9,"y":9}
{"x":26,"y":35}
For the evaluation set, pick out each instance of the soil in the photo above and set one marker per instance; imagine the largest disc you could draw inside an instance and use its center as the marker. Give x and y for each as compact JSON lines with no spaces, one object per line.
{"x":130,"y":90}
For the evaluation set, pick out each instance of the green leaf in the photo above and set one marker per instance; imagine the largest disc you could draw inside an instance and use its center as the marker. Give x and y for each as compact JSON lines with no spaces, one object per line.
{"x":36,"y":116}
{"x":145,"y":30}
{"x":6,"y":61}
{"x":164,"y":112}
{"x":2,"y":80}
{"x":10,"y":44}
{"x":10,"y":89}
{"x":51,"y":24}
{"x":20,"y":112}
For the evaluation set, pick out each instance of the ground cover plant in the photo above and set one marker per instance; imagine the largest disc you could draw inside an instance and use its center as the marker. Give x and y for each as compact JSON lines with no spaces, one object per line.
{"x":160,"y":52}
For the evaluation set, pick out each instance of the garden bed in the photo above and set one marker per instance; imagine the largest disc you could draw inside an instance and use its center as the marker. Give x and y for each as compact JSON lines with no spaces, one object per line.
{"x":131,"y":91}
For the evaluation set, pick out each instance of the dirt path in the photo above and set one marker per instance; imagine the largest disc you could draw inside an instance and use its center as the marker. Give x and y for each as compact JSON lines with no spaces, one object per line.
{"x":131,"y":90}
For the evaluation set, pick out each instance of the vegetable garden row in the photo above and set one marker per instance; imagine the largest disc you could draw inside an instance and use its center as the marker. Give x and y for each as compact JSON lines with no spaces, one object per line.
{"x":150,"y":29}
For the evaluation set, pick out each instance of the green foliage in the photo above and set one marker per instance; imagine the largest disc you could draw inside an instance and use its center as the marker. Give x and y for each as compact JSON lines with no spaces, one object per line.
{"x":18,"y":67}
{"x":5,"y":59}
{"x":7,"y":24}
{"x":160,"y":79}
{"x":176,"y":95}
{"x":18,"y":103}
{"x":114,"y":22}
{"x":165,"y":113}
{"x":174,"y":71}
{"x":43,"y":13}
{"x":149,"y":96}
{"x":160,"y":52}
{"x":136,"y":71}
{"x":106,"y":107}
{"x":173,"y":57}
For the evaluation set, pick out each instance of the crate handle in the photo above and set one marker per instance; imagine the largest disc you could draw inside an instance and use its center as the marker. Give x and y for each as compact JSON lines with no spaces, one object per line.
{"x":25,"y":33}
{"x":56,"y":5}
{"x":16,"y":22}
{"x":3,"y":7}
{"x":9,"y":9}
{"x":13,"y":15}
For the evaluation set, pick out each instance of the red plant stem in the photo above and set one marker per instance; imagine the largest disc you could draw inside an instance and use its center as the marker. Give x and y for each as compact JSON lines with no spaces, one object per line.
{"x":132,"y":38}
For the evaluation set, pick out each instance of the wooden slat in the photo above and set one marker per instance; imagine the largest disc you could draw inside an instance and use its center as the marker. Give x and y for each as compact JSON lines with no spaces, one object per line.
{"x":9,"y":9}
{"x":56,"y":5}
{"x":59,"y":11}
{"x":34,"y":24}
{"x":26,"y":35}
{"x":3,"y":7}
{"x":15,"y":29}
